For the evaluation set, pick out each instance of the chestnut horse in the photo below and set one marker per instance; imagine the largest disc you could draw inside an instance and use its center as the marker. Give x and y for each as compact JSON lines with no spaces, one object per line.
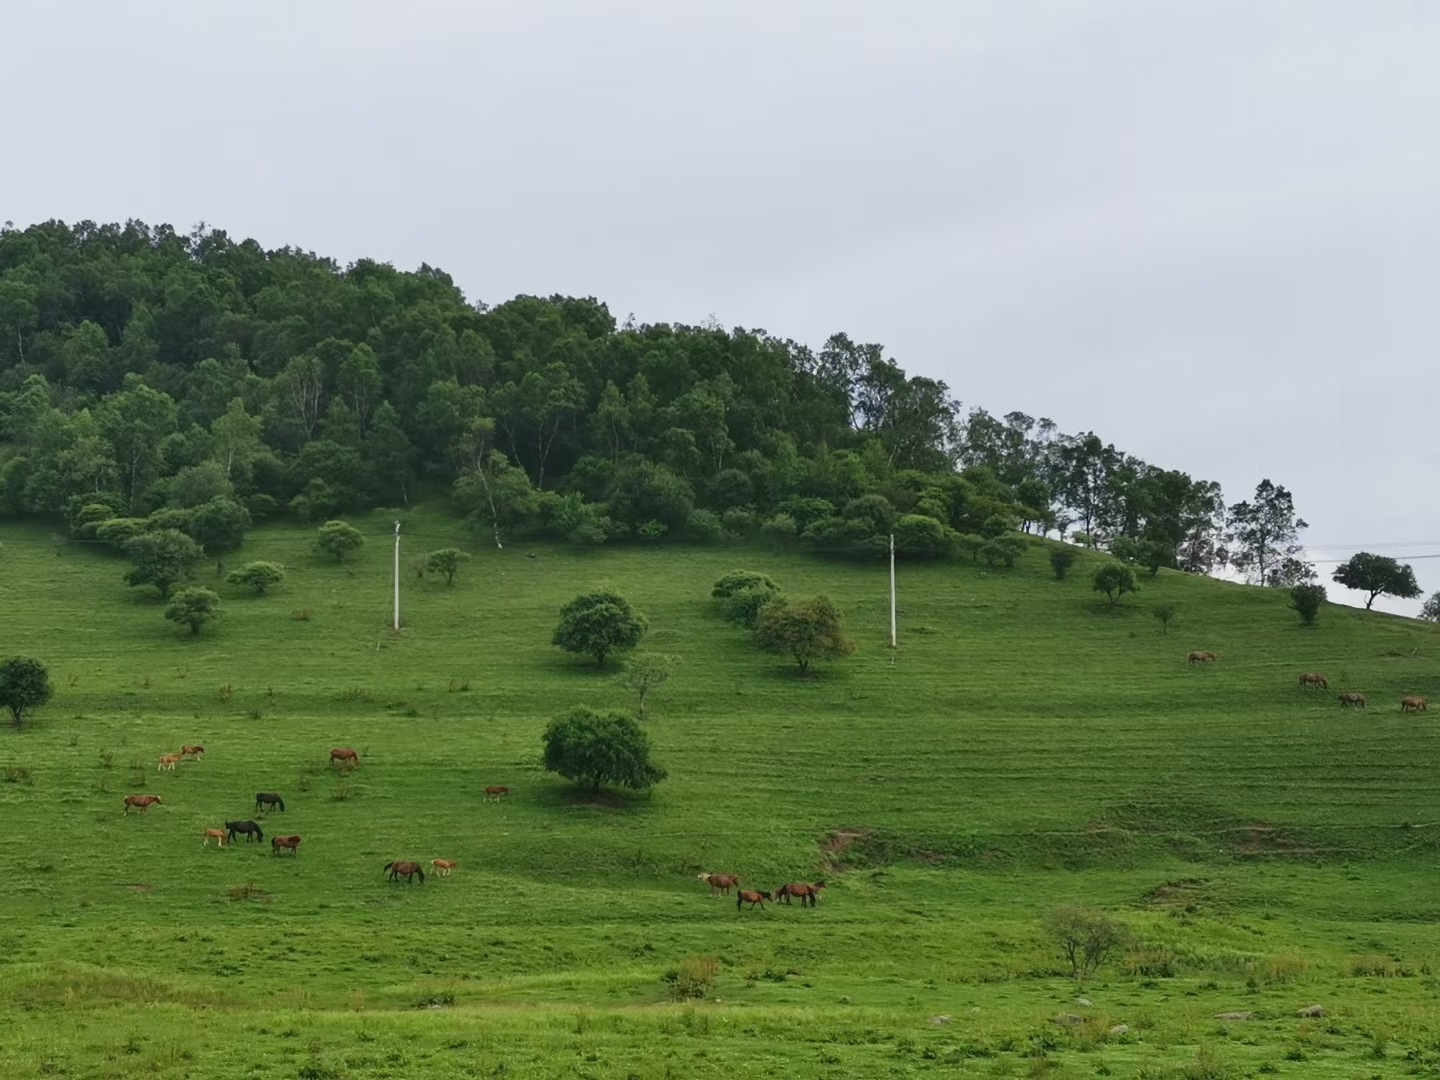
{"x":279,"y":842}
{"x":806,"y":894}
{"x":1314,"y":678}
{"x":141,"y":802}
{"x":345,"y":756}
{"x":168,"y":762}
{"x":218,"y":835}
{"x":248,"y":829}
{"x":495,"y":794}
{"x":442,"y":867}
{"x":1412,"y":704}
{"x":406,"y":869}
{"x":746,"y":896}
{"x":720,"y":882}
{"x":1200,"y":658}
{"x":1352,"y":697}
{"x":192,"y":751}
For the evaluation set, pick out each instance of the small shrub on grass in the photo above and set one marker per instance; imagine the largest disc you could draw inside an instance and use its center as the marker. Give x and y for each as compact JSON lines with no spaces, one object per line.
{"x":1114,"y":579}
{"x":1165,"y":614}
{"x":16,"y":774}
{"x":1305,"y":601}
{"x":1061,"y":559}
{"x":694,"y":979}
{"x":302,"y":614}
{"x":1086,"y":937}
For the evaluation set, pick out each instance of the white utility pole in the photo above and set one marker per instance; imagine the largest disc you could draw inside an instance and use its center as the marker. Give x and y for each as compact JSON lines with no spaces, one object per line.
{"x":892,"y":590}
{"x":397,"y":576}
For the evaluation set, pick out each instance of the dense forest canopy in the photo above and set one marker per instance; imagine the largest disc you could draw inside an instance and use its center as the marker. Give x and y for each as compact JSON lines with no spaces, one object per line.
{"x":151,"y":379}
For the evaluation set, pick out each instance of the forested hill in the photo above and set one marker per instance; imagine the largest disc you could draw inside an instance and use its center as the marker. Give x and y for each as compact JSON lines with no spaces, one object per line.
{"x":146,"y":372}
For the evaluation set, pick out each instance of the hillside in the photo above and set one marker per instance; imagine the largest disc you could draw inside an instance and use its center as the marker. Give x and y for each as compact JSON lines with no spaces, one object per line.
{"x":1026,"y":747}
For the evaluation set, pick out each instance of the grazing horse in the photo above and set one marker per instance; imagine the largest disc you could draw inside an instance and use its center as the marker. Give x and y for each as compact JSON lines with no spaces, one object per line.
{"x":442,"y":867}
{"x":1314,"y":678}
{"x":495,"y":794}
{"x":141,"y":802}
{"x":1412,"y":704}
{"x":1352,"y":697}
{"x":345,"y":756}
{"x":806,"y":894}
{"x":720,"y":882}
{"x":1200,"y":658}
{"x":408,"y":870}
{"x":218,"y":835}
{"x":279,"y":842}
{"x":746,"y":896}
{"x":248,"y":829}
{"x":268,"y":800}
{"x":192,"y":751}
{"x":168,"y":762}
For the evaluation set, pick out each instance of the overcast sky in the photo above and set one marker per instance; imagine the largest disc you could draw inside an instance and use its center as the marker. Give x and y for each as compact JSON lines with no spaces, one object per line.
{"x":1207,"y":231}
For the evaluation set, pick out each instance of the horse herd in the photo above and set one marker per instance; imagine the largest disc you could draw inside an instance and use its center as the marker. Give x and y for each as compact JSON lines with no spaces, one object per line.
{"x":721,"y":884}
{"x":1316,"y":680}
{"x":268,"y":801}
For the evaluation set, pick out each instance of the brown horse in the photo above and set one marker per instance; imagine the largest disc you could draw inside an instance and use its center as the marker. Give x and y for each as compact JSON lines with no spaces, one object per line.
{"x":1352,"y":697}
{"x":720,"y":882}
{"x":168,"y":762}
{"x":279,"y":842}
{"x":408,"y":870}
{"x":746,"y":896}
{"x":218,"y":835}
{"x":1314,"y":678}
{"x":495,"y":794}
{"x":141,"y":802}
{"x":1412,"y":704}
{"x":192,"y":751}
{"x":442,"y":867}
{"x":1200,"y":658}
{"x":345,"y":756}
{"x":806,"y":894}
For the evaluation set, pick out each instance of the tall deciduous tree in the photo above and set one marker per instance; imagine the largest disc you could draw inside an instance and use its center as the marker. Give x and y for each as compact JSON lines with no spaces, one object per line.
{"x":1377,"y":575}
{"x":135,"y":420}
{"x":1266,"y":535}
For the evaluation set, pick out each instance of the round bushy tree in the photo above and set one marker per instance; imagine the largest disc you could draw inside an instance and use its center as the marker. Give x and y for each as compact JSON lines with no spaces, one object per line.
{"x":445,"y":562}
{"x":805,"y":630}
{"x":163,"y":558}
{"x":257,"y":575}
{"x":193,"y":607}
{"x":598,"y":624}
{"x":597,"y":749}
{"x":1114,"y":579}
{"x":24,"y":685}
{"x":340,"y":540}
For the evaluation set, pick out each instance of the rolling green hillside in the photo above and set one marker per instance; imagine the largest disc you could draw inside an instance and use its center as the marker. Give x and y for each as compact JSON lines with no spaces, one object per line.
{"x":1027,"y":746}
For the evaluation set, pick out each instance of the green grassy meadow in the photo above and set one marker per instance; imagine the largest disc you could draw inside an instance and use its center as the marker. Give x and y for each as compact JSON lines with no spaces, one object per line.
{"x":1025,"y":747}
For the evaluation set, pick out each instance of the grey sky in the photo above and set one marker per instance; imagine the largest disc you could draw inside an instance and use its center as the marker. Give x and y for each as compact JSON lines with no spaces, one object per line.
{"x":1205,"y":230}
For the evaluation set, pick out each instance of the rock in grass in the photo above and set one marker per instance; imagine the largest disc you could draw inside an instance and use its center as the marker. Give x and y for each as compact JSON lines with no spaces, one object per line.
{"x":1120,"y":1029}
{"x":1084,"y":1003}
{"x":938,"y":1020}
{"x":1312,"y":1011}
{"x":1233,"y":1016}
{"x":1068,"y":1019}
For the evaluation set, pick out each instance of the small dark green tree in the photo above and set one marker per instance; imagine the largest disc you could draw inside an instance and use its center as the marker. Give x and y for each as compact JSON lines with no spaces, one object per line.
{"x":744,"y":607}
{"x":806,"y":630}
{"x":257,"y":575}
{"x":24,"y":685}
{"x":1305,"y":601}
{"x":1165,"y":613}
{"x":1061,"y":559}
{"x":1086,"y":937}
{"x":1430,"y":611}
{"x":1377,"y":575}
{"x":645,"y":672}
{"x":339,"y":540}
{"x":446,"y":561}
{"x":738,"y":580}
{"x":220,"y":524}
{"x":163,"y":559}
{"x":598,"y":624}
{"x":193,"y":607}
{"x":595,"y":749}
{"x":1114,"y":579}
{"x":1153,"y":554}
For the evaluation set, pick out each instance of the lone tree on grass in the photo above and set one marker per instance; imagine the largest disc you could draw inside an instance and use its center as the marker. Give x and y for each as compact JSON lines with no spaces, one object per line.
{"x":193,"y":607}
{"x":1114,"y":579}
{"x":257,"y":575}
{"x":446,"y":561}
{"x":804,"y":629}
{"x":339,"y":540}
{"x":1377,"y":575}
{"x":163,"y":558}
{"x":1165,"y":613}
{"x":646,"y":672}
{"x":595,"y":749}
{"x":1305,"y":601}
{"x":1430,"y":612}
{"x":24,"y":685}
{"x":1086,"y":937}
{"x":597,"y":624}
{"x":1061,"y":559}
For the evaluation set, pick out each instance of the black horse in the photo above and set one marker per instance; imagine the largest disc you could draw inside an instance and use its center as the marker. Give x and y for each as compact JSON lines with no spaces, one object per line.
{"x":267,"y":800}
{"x":407,"y":870}
{"x":249,"y":828}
